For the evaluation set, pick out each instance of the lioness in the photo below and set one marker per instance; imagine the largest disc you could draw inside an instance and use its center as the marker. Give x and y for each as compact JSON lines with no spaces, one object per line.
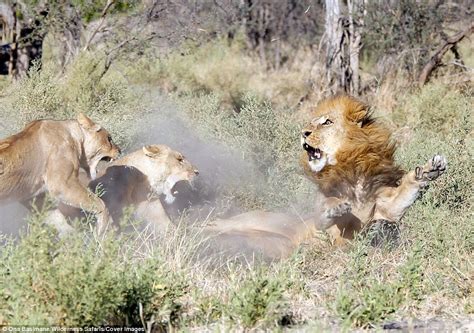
{"x":138,"y":179}
{"x":47,"y":156}
{"x":349,"y":155}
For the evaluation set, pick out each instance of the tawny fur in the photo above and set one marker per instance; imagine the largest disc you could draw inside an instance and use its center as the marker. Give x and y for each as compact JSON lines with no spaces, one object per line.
{"x":362,"y":171}
{"x":137,"y":180}
{"x":47,"y":156}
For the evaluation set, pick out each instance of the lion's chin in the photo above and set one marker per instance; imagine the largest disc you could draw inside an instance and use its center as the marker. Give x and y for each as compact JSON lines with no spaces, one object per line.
{"x":317,"y":159}
{"x":317,"y":165}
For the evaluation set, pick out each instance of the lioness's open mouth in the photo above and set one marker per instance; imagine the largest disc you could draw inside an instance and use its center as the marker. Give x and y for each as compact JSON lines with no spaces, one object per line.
{"x":313,"y":153}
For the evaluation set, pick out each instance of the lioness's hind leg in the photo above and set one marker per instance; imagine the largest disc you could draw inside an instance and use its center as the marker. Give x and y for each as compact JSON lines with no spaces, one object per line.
{"x":332,"y":208}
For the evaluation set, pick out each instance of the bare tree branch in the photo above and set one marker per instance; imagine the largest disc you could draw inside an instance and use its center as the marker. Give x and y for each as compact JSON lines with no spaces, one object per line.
{"x":102,"y":20}
{"x":435,"y":60}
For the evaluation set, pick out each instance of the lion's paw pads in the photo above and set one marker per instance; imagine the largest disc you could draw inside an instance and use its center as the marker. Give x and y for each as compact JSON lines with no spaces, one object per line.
{"x":339,"y":210}
{"x":435,"y":167}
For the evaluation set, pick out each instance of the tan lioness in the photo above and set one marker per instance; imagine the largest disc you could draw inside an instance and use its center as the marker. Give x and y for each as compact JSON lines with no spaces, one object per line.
{"x":47,"y":156}
{"x":137,"y":180}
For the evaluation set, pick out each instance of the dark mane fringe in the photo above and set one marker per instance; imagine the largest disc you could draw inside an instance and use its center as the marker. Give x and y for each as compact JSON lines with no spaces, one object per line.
{"x":367,"y":154}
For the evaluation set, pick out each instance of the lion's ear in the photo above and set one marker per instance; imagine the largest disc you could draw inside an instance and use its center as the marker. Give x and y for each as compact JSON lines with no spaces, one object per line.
{"x":151,"y":150}
{"x":87,"y":123}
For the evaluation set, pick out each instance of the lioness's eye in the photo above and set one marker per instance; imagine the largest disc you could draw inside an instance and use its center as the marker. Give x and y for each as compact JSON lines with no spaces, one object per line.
{"x":327,"y":122}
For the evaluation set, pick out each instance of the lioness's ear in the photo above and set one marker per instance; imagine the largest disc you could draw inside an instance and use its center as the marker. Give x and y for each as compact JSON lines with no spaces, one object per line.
{"x":87,"y":123}
{"x":151,"y":150}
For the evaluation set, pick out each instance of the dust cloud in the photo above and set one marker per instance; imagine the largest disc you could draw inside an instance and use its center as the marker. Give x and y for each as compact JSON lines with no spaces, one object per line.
{"x":12,"y":215}
{"x":219,"y":166}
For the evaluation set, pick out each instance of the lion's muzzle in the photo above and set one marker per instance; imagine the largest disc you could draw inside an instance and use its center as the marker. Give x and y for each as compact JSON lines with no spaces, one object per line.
{"x":313,"y":153}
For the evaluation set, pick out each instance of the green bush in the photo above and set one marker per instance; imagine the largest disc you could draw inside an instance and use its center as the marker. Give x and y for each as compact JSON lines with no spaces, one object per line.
{"x":81,"y":282}
{"x":259,"y":299}
{"x":44,"y":94}
{"x":367,"y":295}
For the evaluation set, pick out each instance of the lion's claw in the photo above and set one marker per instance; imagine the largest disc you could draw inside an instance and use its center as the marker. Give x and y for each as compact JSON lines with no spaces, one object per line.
{"x":339,"y":210}
{"x":432,"y":170}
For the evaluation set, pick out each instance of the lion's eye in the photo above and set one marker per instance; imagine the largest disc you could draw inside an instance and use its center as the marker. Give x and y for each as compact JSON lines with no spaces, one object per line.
{"x":327,"y":122}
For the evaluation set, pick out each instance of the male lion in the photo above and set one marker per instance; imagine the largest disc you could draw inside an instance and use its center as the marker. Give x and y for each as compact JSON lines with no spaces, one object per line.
{"x":349,"y":155}
{"x":138,"y":179}
{"x":47,"y":156}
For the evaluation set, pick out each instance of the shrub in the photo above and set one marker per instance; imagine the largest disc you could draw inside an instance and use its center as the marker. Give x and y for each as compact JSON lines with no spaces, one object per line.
{"x":80,"y":282}
{"x":367,"y":295}
{"x":258,"y":298}
{"x":44,"y":94}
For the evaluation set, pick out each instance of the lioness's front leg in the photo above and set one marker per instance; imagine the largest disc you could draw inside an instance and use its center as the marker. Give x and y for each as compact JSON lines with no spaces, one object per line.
{"x":392,"y":202}
{"x":154,"y":213}
{"x":66,"y":187}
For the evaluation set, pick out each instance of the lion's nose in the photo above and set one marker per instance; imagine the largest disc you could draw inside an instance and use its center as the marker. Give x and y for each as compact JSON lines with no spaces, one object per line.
{"x":306,"y":134}
{"x":196,"y":171}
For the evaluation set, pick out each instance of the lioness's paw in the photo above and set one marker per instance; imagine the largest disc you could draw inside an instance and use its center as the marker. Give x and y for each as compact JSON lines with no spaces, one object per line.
{"x":432,"y":170}
{"x":338,"y":210}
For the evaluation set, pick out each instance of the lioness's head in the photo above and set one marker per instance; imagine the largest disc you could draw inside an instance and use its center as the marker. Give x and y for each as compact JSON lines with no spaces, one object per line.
{"x":98,"y":144}
{"x":335,"y":119}
{"x":164,"y":167}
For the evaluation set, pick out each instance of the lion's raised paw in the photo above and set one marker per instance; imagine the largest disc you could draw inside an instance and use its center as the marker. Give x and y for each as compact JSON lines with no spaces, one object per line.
{"x":338,"y":210}
{"x":435,"y":167}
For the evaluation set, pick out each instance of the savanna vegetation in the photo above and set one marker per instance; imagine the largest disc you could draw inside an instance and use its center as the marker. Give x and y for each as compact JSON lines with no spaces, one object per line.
{"x":243,"y":75}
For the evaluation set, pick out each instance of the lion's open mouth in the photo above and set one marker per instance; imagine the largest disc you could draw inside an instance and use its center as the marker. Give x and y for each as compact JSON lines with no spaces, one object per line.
{"x":313,"y":153}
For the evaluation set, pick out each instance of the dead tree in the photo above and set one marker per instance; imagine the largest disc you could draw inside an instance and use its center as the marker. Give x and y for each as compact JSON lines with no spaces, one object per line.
{"x":435,"y":61}
{"x":343,"y":34}
{"x":334,"y":36}
{"x":356,"y":23}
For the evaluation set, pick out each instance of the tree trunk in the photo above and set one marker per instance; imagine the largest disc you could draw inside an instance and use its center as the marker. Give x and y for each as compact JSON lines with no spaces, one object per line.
{"x":13,"y":46}
{"x":70,"y":35}
{"x":343,"y":44}
{"x":261,"y":35}
{"x":334,"y":39}
{"x":356,"y":23}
